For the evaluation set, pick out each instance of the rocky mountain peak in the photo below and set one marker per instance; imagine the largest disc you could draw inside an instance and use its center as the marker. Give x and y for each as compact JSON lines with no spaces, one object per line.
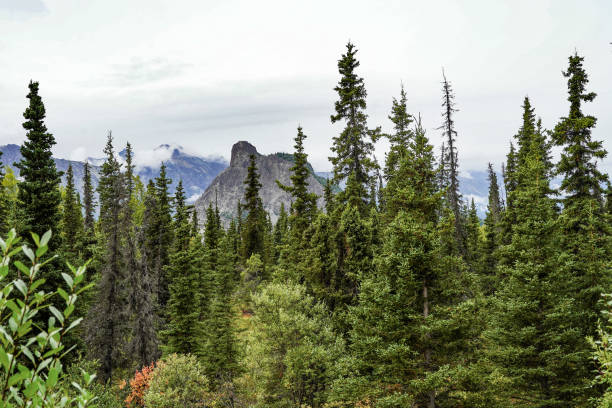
{"x":241,"y":151}
{"x":228,"y":187}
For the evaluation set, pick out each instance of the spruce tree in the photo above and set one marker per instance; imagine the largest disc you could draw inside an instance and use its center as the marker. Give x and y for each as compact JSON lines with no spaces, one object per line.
{"x":353,"y":147}
{"x":450,"y":161}
{"x":39,"y":192}
{"x":473,"y":242}
{"x":584,"y":226}
{"x":4,"y":203}
{"x":492,"y":224}
{"x":219,"y":350}
{"x":387,"y":323}
{"x":532,"y":346}
{"x":89,"y":201}
{"x":401,"y":136}
{"x":183,"y":314}
{"x":143,"y":345}
{"x":107,"y":318}
{"x":164,"y":238}
{"x":253,"y":229}
{"x":303,"y":203}
{"x":72,"y":222}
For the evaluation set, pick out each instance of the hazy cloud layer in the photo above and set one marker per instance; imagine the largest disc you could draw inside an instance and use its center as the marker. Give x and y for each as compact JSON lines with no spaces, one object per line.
{"x":206,"y":74}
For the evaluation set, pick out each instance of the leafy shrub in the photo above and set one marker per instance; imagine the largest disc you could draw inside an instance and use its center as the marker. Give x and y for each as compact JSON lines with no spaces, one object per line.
{"x":32,"y":373}
{"x":139,"y":385}
{"x":178,"y":382}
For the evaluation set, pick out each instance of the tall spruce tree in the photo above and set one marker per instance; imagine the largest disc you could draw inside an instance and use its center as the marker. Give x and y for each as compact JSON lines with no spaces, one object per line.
{"x":401,"y":136}
{"x":353,"y":147}
{"x":253,"y":230}
{"x":181,"y":335}
{"x":219,"y":351}
{"x":584,"y":226}
{"x":450,"y":160}
{"x":72,"y":222}
{"x":107,"y":318}
{"x":303,"y":203}
{"x":39,"y":192}
{"x":89,"y":201}
{"x":143,"y":345}
{"x":531,"y":344}
{"x":399,"y":350}
{"x":492,"y":224}
{"x":4,"y":203}
{"x":163,"y":218}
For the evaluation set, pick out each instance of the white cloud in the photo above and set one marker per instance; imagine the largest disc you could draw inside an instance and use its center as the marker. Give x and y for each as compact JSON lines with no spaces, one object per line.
{"x":153,"y":157}
{"x":206,"y":74}
{"x":78,"y":154}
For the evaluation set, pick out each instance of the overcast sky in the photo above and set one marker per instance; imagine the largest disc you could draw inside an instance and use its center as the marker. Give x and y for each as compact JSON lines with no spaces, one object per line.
{"x":205,"y":74}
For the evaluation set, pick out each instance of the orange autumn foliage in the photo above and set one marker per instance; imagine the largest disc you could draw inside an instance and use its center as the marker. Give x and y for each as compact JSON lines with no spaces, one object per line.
{"x":138,"y":386}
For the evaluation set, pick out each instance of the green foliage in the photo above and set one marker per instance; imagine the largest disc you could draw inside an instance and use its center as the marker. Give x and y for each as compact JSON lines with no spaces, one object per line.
{"x":353,"y":147}
{"x":39,"y":191}
{"x":254,"y":225}
{"x":72,"y":221}
{"x":602,"y":352}
{"x":292,"y":348}
{"x":31,"y":356}
{"x":178,"y":381}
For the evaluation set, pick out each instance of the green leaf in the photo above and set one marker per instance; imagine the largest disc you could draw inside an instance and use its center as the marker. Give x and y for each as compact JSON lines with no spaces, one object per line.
{"x":28,"y":252}
{"x":22,"y":268}
{"x":21,"y":286}
{"x":4,"y":359}
{"x":68,"y":279}
{"x":41,"y":251}
{"x":59,"y":316}
{"x":45,"y":238}
{"x":63,"y":294}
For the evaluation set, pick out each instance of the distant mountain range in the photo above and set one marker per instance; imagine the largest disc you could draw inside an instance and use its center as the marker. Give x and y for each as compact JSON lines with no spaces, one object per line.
{"x":198,"y":173}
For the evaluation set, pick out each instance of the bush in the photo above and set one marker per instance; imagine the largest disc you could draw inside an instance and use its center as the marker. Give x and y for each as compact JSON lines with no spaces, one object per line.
{"x":178,"y":382}
{"x":32,"y":372}
{"x":138,"y":386}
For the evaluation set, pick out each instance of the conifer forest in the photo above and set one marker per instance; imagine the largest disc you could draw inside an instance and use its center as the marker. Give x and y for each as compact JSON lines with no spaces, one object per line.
{"x":387,"y":290}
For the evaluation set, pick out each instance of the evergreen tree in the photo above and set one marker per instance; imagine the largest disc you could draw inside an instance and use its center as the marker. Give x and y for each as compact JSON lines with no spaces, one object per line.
{"x":143,"y":346}
{"x":281,"y":229}
{"x":584,"y":226}
{"x":163,"y":220}
{"x":354,"y":146}
{"x":453,"y":196}
{"x":219,"y":351}
{"x":39,"y":192}
{"x":492,"y":224}
{"x":89,"y":201}
{"x":304,"y":204}
{"x":473,"y":242}
{"x":253,"y":229}
{"x":107,"y":319}
{"x":181,"y":335}
{"x":532,"y":346}
{"x":328,"y":195}
{"x":72,"y":221}
{"x":401,"y":136}
{"x":4,"y":203}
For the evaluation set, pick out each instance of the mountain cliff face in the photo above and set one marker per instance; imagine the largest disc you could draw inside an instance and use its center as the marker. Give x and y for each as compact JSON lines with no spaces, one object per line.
{"x":228,"y":187}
